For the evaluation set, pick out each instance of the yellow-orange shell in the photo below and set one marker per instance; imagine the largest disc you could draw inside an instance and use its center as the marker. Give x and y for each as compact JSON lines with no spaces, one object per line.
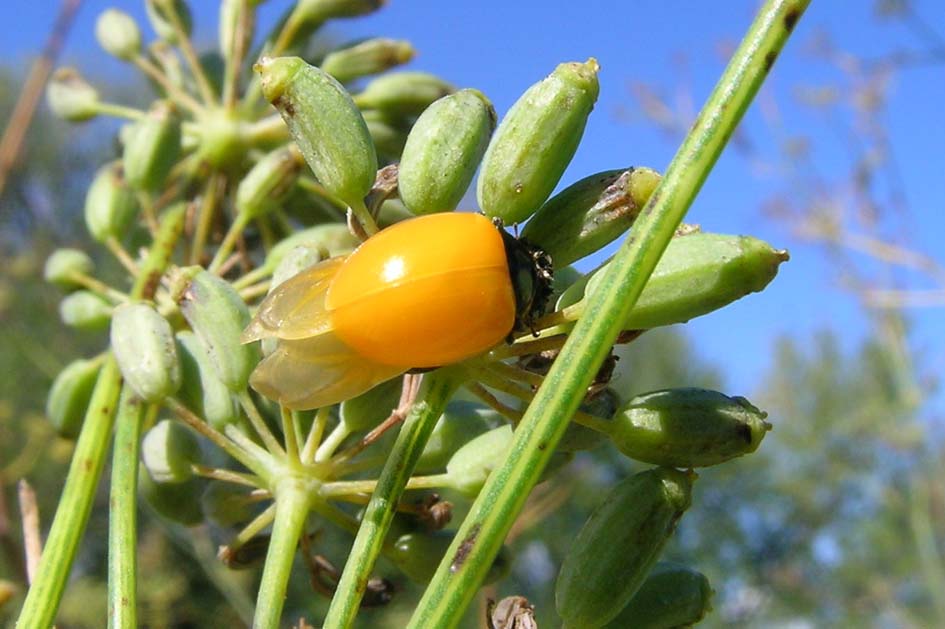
{"x":425,"y":292}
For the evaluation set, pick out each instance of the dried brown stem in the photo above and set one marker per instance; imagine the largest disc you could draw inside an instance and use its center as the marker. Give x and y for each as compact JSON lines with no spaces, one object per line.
{"x":32,"y":90}
{"x":32,"y":542}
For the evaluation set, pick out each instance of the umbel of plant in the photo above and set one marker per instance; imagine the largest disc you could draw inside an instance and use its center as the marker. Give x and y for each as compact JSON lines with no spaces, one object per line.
{"x":309,"y":202}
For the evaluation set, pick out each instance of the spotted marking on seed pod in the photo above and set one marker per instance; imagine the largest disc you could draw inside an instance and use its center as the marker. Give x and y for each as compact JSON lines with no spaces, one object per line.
{"x":284,"y":105}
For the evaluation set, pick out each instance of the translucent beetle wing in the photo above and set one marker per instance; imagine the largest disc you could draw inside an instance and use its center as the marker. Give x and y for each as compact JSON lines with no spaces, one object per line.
{"x":316,"y":372}
{"x":296,"y":308}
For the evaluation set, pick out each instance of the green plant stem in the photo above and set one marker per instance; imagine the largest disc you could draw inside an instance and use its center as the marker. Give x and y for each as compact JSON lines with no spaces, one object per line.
{"x":253,"y":276}
{"x":524,"y":348}
{"x":123,"y":257}
{"x":75,"y":504}
{"x":196,"y":68}
{"x":119,"y":111}
{"x":256,"y":460}
{"x":99,"y":287}
{"x":290,"y":434}
{"x":149,"y":276}
{"x":491,"y":516}
{"x":314,"y":438}
{"x":331,"y":442}
{"x":490,"y":378}
{"x":122,"y":521}
{"x":254,"y":528}
{"x":435,"y":392}
{"x":342,"y":488}
{"x":292,"y":506}
{"x":228,"y":476}
{"x":513,"y":415}
{"x":235,"y":58}
{"x":176,"y":93}
{"x":255,"y":290}
{"x":363,"y":216}
{"x":208,"y":207}
{"x":259,"y":424}
{"x":229,"y":240}
{"x":123,"y":512}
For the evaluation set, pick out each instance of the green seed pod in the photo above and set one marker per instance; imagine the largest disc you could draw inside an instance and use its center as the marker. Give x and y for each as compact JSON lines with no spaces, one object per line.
{"x":308,"y":15}
{"x":471,"y":465}
{"x":673,"y":595}
{"x":325,"y":123}
{"x":167,"y":452}
{"x":85,"y":310}
{"x":443,"y":151}
{"x":698,"y":273}
{"x":364,"y":58}
{"x":321,"y":10}
{"x":201,"y":389}
{"x":70,"y":97}
{"x":152,"y":148}
{"x":218,"y":316}
{"x":403,"y":93}
{"x":161,"y":14}
{"x":619,"y":544}
{"x":687,"y":427}
{"x":461,"y":422}
{"x":333,"y":238}
{"x":417,"y":555}
{"x":69,"y":396}
{"x":535,"y":142}
{"x":63,"y":265}
{"x":143,"y":344}
{"x":118,"y":33}
{"x":110,"y":204}
{"x":267,"y":183}
{"x":591,"y":213}
{"x":294,"y":262}
{"x":228,"y":505}
{"x":178,"y":502}
{"x":388,"y":133}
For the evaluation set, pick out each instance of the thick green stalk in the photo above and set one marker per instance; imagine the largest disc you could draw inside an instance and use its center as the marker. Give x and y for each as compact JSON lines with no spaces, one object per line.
{"x":122,"y":514}
{"x":293,"y":502}
{"x":435,"y":392}
{"x":149,"y":275}
{"x":482,"y":533}
{"x":75,"y":504}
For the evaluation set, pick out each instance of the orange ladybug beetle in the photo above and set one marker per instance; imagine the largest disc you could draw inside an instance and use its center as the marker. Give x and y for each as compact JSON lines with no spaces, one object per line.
{"x":423,"y":293}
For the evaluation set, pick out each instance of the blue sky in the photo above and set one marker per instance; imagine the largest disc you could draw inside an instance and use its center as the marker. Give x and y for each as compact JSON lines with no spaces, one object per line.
{"x":503,"y":47}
